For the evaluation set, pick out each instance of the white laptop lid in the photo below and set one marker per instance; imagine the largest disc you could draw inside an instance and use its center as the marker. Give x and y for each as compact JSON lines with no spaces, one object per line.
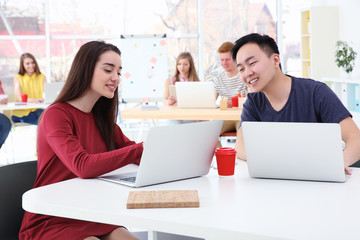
{"x":175,"y":152}
{"x":52,"y":90}
{"x":195,"y":95}
{"x":301,"y":151}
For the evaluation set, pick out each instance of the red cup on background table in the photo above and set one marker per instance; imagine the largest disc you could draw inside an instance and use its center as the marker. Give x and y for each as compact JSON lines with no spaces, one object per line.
{"x":24,"y":97}
{"x":235,"y":101}
{"x":225,"y":160}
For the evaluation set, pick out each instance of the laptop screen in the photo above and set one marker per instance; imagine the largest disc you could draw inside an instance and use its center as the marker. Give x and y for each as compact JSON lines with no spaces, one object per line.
{"x":195,"y":94}
{"x":303,"y":151}
{"x":52,"y":90}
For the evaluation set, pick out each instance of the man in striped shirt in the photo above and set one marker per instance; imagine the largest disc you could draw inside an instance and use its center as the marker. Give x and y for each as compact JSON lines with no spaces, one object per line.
{"x":228,"y":83}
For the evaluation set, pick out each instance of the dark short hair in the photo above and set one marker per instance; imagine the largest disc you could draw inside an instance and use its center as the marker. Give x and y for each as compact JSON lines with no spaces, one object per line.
{"x":266,"y":44}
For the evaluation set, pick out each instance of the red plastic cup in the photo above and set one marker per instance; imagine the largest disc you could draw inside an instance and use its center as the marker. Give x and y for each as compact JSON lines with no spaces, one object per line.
{"x":235,"y":101}
{"x":225,"y":159}
{"x":24,"y":97}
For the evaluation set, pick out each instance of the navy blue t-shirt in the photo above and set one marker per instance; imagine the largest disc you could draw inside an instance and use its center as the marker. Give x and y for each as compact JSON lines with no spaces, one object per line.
{"x":309,"y":101}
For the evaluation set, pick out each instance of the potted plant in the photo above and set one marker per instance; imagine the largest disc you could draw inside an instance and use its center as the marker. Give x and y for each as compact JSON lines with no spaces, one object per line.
{"x":345,"y":56}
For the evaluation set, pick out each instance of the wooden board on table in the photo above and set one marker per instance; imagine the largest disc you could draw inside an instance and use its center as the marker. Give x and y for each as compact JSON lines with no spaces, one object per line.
{"x":163,"y":199}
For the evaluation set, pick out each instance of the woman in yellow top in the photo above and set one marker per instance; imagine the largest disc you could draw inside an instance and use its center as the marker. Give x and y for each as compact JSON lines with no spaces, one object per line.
{"x":29,"y":81}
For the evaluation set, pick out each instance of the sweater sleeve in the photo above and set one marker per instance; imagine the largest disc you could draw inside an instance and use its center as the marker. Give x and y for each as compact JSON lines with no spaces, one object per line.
{"x":1,"y":89}
{"x":62,"y":136}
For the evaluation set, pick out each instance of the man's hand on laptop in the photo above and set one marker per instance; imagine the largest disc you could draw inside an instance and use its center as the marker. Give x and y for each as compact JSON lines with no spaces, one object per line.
{"x":347,"y":170}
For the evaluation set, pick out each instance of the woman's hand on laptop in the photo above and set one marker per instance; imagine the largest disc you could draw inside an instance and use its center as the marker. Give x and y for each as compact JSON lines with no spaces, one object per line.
{"x":35,"y":100}
{"x":171,"y":100}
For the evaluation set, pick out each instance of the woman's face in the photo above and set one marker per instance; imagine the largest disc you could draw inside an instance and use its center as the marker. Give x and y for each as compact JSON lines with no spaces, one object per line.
{"x":29,"y":66}
{"x":106,"y":77}
{"x":183,"y":66}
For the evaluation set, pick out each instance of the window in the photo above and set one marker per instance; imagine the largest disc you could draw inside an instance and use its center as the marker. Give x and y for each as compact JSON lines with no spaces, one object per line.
{"x":54,"y":30}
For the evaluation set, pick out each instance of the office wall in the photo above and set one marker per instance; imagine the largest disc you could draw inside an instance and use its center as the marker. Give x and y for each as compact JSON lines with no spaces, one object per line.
{"x":349,"y":19}
{"x":349,"y":23}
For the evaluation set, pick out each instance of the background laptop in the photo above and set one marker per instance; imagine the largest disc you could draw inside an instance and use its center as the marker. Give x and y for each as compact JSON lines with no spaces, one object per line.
{"x":51,"y":91}
{"x":195,"y":95}
{"x":301,"y":151}
{"x":173,"y":153}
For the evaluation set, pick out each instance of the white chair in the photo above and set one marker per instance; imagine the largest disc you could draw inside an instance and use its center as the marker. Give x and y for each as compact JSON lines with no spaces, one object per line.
{"x":16,"y":126}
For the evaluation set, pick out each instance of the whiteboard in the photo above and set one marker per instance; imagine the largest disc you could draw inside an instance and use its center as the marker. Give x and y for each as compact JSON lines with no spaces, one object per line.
{"x":145,"y":68}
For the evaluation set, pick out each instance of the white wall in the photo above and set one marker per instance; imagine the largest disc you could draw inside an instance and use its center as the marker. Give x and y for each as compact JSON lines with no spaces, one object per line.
{"x":349,"y":28}
{"x":349,"y":21}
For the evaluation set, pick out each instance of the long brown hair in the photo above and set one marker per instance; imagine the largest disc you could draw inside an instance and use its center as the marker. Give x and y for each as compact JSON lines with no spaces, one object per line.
{"x":193,"y":77}
{"x":22,"y":70}
{"x":79,"y":80}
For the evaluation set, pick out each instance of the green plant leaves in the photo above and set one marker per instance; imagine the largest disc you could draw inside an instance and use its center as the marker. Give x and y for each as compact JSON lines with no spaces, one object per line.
{"x":345,"y":56}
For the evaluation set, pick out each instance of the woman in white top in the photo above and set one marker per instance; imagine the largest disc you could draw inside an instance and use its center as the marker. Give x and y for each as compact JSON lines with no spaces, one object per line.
{"x":185,"y":72}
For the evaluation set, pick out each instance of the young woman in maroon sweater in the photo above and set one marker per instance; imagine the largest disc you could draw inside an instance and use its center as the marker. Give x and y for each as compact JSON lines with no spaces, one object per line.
{"x":78,"y":137}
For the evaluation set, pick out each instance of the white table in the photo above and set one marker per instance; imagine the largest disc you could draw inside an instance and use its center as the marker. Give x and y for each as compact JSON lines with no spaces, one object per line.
{"x":21,"y":106}
{"x":238,"y":207}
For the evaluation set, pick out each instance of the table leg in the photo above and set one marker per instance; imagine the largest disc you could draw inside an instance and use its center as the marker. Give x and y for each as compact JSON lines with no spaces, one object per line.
{"x":139,"y":139}
{"x":154,"y":122}
{"x":152,"y":235}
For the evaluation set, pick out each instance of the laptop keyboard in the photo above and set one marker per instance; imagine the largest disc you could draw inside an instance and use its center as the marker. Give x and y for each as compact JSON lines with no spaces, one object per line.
{"x":129,"y":179}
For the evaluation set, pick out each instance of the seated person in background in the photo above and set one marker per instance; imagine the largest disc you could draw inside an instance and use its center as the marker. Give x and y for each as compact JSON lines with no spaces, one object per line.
{"x":5,"y":124}
{"x":228,"y":83}
{"x":78,"y":137}
{"x":282,"y":98}
{"x":185,"y":72}
{"x":30,"y":81}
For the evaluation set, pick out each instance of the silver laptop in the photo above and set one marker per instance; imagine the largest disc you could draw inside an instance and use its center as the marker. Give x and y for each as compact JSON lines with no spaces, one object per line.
{"x":195,"y":95}
{"x":300,"y":151}
{"x":173,"y":153}
{"x":51,"y":91}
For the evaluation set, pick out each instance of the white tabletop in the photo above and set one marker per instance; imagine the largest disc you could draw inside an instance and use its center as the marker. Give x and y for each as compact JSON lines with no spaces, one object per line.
{"x":20,"y":105}
{"x":238,"y":207}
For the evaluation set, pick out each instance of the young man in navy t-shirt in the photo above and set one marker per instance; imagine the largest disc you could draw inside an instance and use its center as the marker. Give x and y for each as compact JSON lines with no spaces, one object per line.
{"x":276,"y":97}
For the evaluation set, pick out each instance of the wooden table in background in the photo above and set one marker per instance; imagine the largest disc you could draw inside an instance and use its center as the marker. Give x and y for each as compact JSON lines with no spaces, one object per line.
{"x":175,"y":113}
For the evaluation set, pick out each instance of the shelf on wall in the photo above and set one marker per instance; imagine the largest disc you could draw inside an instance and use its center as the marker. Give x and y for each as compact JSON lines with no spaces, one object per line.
{"x":347,"y":90}
{"x":319,"y":33}
{"x":342,"y":80}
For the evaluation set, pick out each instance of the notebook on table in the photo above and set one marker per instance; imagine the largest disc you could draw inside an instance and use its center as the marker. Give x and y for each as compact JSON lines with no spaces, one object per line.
{"x":173,"y":153}
{"x":51,"y":91}
{"x":299,"y":151}
{"x":195,"y":94}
